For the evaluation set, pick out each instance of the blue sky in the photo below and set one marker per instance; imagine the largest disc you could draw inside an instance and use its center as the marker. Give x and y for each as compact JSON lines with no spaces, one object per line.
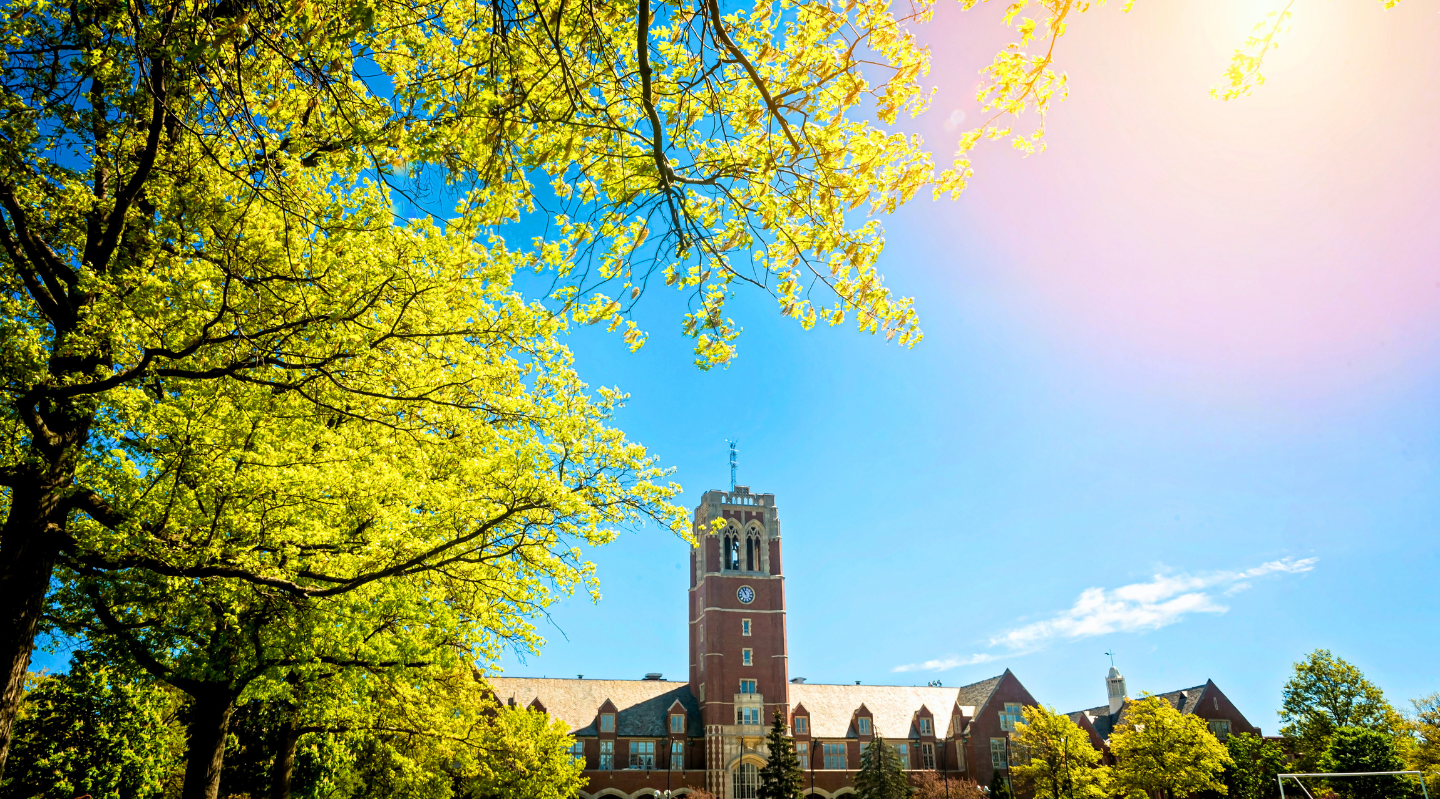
{"x":1180,"y":412}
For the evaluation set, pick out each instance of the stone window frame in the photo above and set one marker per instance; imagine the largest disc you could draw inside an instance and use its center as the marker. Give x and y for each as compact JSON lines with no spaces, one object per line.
{"x":927,"y":756}
{"x":745,"y":627}
{"x":607,"y":722}
{"x":747,"y":657}
{"x":833,"y":752}
{"x":926,"y":726}
{"x":642,"y":754}
{"x":677,"y":755}
{"x":802,"y":725}
{"x":863,"y":725}
{"x":999,"y":756}
{"x":607,"y":755}
{"x":677,"y":723}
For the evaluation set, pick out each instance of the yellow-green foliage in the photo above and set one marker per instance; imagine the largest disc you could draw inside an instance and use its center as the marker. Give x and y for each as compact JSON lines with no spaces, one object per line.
{"x":1059,"y":760}
{"x":1160,"y":749}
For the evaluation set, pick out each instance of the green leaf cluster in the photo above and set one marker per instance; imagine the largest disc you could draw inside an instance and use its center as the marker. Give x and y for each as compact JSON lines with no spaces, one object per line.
{"x":1058,"y":761}
{"x":1360,"y":749}
{"x":1325,"y":693}
{"x":96,"y":729}
{"x":1160,"y":751}
{"x":1255,"y":764}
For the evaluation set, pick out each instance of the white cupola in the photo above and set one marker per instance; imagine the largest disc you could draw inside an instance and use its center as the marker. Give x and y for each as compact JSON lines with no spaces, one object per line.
{"x":1115,"y":687}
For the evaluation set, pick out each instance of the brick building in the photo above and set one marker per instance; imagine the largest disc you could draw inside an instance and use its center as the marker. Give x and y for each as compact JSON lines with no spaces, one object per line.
{"x":1206,"y":701}
{"x":644,"y":737}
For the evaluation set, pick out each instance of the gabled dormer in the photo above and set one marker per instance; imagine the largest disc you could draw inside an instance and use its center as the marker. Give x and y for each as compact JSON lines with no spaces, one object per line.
{"x":862,"y":724}
{"x":677,"y":720}
{"x":607,"y":720}
{"x":923,"y":725}
{"x":536,"y":704}
{"x":800,"y":722}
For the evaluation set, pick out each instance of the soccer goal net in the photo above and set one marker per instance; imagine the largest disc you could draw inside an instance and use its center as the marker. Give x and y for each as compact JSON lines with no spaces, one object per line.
{"x":1297,"y":778}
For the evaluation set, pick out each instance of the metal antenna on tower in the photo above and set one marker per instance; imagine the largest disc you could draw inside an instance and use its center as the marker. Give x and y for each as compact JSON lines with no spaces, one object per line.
{"x":733,"y":461}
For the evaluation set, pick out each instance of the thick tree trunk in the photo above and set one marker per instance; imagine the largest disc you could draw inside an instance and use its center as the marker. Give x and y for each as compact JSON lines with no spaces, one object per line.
{"x":209,"y":722}
{"x":287,"y":740}
{"x":29,"y":545}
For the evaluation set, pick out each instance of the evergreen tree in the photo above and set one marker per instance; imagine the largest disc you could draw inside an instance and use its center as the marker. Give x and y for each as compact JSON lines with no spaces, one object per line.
{"x":1000,"y":787}
{"x":781,"y":777}
{"x":881,"y":775}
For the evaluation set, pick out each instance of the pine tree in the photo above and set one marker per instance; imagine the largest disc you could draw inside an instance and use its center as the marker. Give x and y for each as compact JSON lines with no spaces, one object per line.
{"x":881,"y":775}
{"x":781,"y":777}
{"x":1000,"y":787}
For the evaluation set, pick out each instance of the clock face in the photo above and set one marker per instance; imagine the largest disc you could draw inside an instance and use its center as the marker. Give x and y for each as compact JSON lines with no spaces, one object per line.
{"x":746,"y":594}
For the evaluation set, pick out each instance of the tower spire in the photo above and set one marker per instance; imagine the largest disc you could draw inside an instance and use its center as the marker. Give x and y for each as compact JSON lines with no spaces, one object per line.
{"x":734,"y":455}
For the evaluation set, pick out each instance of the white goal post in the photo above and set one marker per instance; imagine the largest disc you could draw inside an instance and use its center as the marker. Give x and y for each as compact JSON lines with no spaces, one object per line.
{"x":1420,"y":775}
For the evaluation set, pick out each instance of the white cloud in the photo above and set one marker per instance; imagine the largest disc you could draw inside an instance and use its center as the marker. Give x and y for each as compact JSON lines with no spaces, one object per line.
{"x":945,"y":664}
{"x":1164,"y":600}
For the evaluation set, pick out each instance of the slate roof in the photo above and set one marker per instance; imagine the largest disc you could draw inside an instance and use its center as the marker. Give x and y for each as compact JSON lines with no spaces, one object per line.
{"x":640,"y":705}
{"x":1185,"y":700}
{"x":893,"y":708}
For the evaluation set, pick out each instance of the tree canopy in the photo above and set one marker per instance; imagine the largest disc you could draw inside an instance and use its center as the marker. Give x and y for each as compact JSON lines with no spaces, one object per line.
{"x":1325,"y":693}
{"x":1059,"y":761}
{"x":1255,"y":764}
{"x":1159,"y":750}
{"x":1360,"y":749}
{"x":97,"y":730}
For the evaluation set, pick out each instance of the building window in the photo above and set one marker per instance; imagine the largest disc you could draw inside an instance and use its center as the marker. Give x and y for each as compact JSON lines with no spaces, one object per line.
{"x":607,"y":755}
{"x":1011,"y":716}
{"x":834,"y":756}
{"x":747,"y":657}
{"x":607,"y":722}
{"x":677,"y":722}
{"x":1220,"y":728}
{"x":747,"y":715}
{"x":702,"y":632}
{"x":927,"y":757}
{"x":903,"y":751}
{"x":802,"y":725}
{"x":749,"y":554}
{"x":747,"y":687}
{"x":925,"y":728}
{"x":642,"y":755}
{"x":747,"y":781}
{"x":997,"y":753}
{"x":862,"y":725}
{"x":702,"y":685}
{"x":802,"y":753}
{"x":577,"y":750}
{"x":960,"y":755}
{"x":677,"y":755}
{"x":744,"y":626}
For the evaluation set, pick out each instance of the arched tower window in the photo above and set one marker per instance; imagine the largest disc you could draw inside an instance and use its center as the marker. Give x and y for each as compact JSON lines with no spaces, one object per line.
{"x":749,"y":554}
{"x":725,"y":553}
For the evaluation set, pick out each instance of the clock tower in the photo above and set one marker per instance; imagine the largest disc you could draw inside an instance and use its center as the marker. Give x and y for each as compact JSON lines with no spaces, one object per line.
{"x":738,"y":668}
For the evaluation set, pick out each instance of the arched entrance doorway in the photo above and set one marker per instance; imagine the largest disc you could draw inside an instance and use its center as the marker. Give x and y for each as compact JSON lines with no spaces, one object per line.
{"x":746,"y":781}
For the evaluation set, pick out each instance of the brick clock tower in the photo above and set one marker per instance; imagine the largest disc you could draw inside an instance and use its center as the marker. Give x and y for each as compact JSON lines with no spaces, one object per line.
{"x":738,"y":664}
